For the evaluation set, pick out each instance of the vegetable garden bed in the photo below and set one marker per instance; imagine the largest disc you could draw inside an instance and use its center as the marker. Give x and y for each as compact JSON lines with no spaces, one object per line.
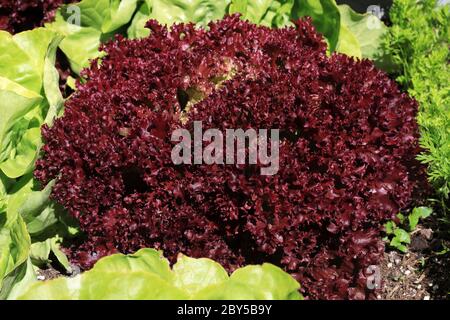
{"x":121,"y":169}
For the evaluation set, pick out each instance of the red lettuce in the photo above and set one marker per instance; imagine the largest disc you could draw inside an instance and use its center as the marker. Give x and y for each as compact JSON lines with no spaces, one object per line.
{"x":348,"y":143}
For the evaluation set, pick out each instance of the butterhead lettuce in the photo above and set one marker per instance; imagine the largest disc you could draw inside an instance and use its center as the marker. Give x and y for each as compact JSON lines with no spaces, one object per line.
{"x":29,"y":98}
{"x":147,"y":275}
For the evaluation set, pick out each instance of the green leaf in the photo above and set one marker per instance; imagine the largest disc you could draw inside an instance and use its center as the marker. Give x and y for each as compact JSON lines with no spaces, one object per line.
{"x":399,"y":246}
{"x":14,"y":243}
{"x":44,"y":218}
{"x":103,"y":15}
{"x":401,"y":217}
{"x":169,"y":12}
{"x":266,"y":282}
{"x":51,"y":83}
{"x":413,"y":221}
{"x":348,"y":44}
{"x":19,"y":193}
{"x":417,"y":214}
{"x":343,"y":29}
{"x":22,"y":57}
{"x":80,"y":44}
{"x":368,"y":31}
{"x":197,"y":11}
{"x":238,"y":6}
{"x":18,"y":281}
{"x":269,"y":13}
{"x":5,"y":184}
{"x":40,"y":253}
{"x":71,"y":83}
{"x":15,"y":102}
{"x":390,"y":227}
{"x":229,"y":290}
{"x":45,"y":221}
{"x":137,"y":28}
{"x":60,"y":256}
{"x":256,"y":10}
{"x":271,"y":282}
{"x":402,"y":236}
{"x":193,"y":275}
{"x":21,"y":159}
{"x":57,"y":289}
{"x":92,"y":13}
{"x":119,"y":13}
{"x":137,"y":285}
{"x":148,"y":260}
{"x":37,"y":210}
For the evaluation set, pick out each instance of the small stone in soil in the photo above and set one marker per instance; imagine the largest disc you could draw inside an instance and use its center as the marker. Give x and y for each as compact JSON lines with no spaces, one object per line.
{"x":427,"y":233}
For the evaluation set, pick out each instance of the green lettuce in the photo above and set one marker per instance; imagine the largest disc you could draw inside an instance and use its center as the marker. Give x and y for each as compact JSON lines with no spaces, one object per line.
{"x":29,"y":98}
{"x":27,"y":75}
{"x":344,"y":30}
{"x":169,"y":12}
{"x":147,"y":275}
{"x":348,"y":32}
